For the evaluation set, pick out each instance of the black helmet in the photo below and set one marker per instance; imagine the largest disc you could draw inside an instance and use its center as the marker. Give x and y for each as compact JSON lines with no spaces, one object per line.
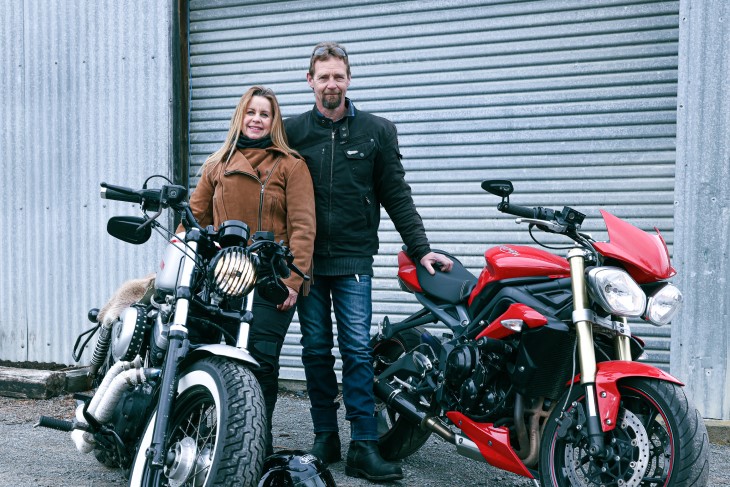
{"x":295,"y":468}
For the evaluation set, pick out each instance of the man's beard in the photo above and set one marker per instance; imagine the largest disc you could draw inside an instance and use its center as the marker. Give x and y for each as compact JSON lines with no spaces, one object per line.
{"x":332,"y":100}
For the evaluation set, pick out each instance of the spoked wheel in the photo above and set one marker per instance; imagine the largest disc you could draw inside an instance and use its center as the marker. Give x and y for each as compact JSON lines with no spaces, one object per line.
{"x":659,"y":440}
{"x":398,"y":438}
{"x":216,"y":430}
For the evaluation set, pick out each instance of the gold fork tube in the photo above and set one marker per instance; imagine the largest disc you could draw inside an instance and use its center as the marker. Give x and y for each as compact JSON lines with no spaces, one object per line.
{"x":584,"y":328}
{"x":622,"y":346}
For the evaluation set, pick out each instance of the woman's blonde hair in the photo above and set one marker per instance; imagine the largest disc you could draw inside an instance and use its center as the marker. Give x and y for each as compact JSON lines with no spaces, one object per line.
{"x":278,"y":135}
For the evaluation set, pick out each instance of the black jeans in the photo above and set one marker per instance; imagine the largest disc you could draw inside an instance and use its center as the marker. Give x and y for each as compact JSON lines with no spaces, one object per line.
{"x":266,"y":337}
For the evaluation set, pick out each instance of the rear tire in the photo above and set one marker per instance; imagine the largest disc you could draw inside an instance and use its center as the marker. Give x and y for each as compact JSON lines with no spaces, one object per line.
{"x":216,"y":429}
{"x":398,"y":438}
{"x":658,"y":432}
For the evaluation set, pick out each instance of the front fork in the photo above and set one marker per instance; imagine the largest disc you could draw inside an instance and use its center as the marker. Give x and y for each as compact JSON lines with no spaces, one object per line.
{"x":586,"y":351}
{"x":178,"y":346}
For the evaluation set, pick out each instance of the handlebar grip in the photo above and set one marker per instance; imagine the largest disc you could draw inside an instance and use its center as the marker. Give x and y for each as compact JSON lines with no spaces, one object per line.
{"x":517,"y":210}
{"x":119,"y":193}
{"x":56,"y":424}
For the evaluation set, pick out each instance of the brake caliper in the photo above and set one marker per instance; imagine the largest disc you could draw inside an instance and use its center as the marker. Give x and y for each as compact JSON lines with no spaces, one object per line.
{"x":572,"y":424}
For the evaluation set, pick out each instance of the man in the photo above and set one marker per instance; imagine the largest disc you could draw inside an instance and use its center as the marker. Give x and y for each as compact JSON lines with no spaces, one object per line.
{"x":354,"y":162}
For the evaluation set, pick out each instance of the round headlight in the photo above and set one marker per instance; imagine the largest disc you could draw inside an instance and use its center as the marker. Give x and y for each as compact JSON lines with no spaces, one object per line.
{"x":232,"y":272}
{"x":663,"y":305}
{"x":616,"y":291}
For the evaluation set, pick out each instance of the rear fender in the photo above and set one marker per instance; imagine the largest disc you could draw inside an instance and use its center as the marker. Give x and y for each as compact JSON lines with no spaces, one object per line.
{"x":219,"y":350}
{"x":607,"y":378}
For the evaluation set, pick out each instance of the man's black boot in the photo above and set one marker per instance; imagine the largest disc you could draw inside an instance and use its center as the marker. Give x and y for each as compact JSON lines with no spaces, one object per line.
{"x":327,"y":447}
{"x":364,"y":460}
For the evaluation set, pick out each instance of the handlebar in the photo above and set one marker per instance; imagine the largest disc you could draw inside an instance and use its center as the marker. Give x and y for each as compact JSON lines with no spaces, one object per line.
{"x":151,"y":199}
{"x":538,"y":213}
{"x":279,"y":256}
{"x":566,"y":221}
{"x":119,"y":193}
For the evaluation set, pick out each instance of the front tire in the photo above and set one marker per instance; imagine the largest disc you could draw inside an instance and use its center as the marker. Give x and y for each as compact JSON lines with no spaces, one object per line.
{"x":660,"y":440}
{"x":398,"y":437}
{"x":216,"y":429}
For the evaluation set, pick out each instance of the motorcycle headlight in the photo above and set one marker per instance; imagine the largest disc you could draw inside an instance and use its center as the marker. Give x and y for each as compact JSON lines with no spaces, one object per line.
{"x":232,"y":272}
{"x":616,"y":291}
{"x":663,"y":305}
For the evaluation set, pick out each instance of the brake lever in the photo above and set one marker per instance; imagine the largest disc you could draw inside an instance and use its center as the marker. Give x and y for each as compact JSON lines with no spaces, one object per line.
{"x":553,"y":227}
{"x":296,"y":270}
{"x":150,"y":221}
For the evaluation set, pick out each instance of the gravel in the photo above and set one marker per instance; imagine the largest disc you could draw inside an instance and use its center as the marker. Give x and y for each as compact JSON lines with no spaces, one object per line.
{"x":38,"y":457}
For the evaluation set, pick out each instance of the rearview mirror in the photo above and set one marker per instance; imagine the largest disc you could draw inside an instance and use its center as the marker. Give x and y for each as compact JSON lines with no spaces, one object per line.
{"x":498,"y":187}
{"x":127,"y":229}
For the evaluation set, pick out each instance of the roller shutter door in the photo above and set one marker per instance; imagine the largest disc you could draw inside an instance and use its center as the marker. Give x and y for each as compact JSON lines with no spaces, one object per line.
{"x":573,"y":101}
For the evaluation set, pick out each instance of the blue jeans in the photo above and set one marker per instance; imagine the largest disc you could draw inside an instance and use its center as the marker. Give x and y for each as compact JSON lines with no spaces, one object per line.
{"x":352,"y":301}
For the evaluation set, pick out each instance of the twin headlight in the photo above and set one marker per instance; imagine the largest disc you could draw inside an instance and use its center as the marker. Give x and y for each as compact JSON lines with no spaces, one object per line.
{"x":616,"y":291}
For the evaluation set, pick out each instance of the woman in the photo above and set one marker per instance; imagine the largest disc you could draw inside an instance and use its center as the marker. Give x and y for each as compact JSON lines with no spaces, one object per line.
{"x":255,"y":177}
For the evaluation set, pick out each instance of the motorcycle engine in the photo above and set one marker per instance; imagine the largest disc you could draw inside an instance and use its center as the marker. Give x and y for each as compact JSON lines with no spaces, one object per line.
{"x":128,"y":333}
{"x":128,"y":422}
{"x":470,"y":375}
{"x":460,"y":364}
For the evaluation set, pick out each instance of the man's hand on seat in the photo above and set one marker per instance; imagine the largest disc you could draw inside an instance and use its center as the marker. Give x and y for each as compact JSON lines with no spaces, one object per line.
{"x":439,"y":261}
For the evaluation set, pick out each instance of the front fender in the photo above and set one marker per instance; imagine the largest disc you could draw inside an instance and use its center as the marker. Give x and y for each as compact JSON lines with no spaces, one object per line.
{"x":219,"y":350}
{"x":607,"y":378}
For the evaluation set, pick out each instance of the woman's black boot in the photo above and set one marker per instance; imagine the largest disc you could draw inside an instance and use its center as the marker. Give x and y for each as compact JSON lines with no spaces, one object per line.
{"x":327,"y":447}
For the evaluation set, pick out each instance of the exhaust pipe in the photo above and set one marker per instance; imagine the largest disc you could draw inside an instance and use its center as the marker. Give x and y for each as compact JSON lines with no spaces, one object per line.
{"x":393,"y":398}
{"x":122,"y":382}
{"x":122,"y":376}
{"x":114,"y":371}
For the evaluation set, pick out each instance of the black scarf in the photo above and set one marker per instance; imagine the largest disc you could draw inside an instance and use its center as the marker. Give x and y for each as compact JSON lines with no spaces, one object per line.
{"x":246,"y":143}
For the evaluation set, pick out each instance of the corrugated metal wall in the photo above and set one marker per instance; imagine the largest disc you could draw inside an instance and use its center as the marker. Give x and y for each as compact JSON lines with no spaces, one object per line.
{"x":84,"y":91}
{"x":701,"y":338}
{"x":574,"y":101}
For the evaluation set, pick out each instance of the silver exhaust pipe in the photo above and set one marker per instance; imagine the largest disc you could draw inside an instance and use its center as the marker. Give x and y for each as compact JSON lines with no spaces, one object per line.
{"x":121,"y":377}
{"x":393,"y":398}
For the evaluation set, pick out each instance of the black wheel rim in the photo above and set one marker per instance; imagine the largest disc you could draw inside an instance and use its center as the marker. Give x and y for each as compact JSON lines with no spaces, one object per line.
{"x":588,"y":471}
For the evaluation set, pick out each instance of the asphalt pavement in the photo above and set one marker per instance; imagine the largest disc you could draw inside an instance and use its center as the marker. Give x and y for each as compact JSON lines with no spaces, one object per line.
{"x":38,"y":457}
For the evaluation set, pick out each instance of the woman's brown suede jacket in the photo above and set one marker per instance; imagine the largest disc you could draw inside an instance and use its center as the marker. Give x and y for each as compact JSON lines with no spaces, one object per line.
{"x":269,"y":190}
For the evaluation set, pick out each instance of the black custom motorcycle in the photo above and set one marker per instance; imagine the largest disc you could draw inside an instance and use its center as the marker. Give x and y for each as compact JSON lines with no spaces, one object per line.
{"x":177,"y":403}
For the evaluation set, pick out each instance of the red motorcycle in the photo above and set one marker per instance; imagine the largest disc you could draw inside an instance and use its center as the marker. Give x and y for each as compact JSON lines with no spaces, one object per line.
{"x":538,"y":374}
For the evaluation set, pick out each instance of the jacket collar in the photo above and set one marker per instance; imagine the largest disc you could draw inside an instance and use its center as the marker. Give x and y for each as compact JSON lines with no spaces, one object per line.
{"x":239,"y":163}
{"x":342,"y":125}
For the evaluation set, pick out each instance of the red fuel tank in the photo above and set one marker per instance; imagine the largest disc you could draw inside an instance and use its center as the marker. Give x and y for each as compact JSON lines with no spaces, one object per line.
{"x":511,"y":261}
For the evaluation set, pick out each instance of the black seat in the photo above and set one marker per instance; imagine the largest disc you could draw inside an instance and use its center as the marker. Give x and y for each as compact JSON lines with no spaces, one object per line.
{"x":452,"y":287}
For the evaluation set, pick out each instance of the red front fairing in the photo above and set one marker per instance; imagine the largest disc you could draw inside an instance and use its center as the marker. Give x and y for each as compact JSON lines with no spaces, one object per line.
{"x":645,"y":256}
{"x":511,"y":261}
{"x":493,"y":444}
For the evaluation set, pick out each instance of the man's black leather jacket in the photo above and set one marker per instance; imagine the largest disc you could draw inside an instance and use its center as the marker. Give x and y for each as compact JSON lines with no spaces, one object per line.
{"x":355,"y":166}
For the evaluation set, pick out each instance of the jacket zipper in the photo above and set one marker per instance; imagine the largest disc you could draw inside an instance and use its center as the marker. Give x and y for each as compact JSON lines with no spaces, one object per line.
{"x":263,"y":186}
{"x":332,"y":165}
{"x":261,"y":195}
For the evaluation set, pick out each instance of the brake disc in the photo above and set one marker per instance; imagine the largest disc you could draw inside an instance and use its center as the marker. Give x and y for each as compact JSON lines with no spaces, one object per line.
{"x":618,"y":471}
